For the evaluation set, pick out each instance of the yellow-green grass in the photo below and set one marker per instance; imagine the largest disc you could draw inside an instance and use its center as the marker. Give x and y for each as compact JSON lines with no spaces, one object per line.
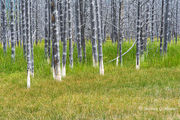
{"x":122,"y":93}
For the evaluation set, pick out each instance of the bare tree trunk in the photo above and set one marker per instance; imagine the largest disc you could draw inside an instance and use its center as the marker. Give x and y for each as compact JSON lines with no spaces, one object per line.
{"x":20,"y":22}
{"x":60,"y":12}
{"x":105,"y":26}
{"x":169,"y":22}
{"x":138,"y":37}
{"x":98,"y":22}
{"x":28,"y":42}
{"x":120,"y":34}
{"x":64,"y":42}
{"x":83,"y":42}
{"x":177,"y":12}
{"x":166,"y":27}
{"x":152,"y":22}
{"x":101,"y":16}
{"x":162,"y":26}
{"x":114,"y":21}
{"x":56,"y":54}
{"x":70,"y":33}
{"x":13,"y":42}
{"x":24,"y":28}
{"x":78,"y":30}
{"x":146,"y":35}
{"x":37,"y":22}
{"x":8,"y":36}
{"x":141,"y":35}
{"x":157,"y":28}
{"x":93,"y":30}
{"x":3,"y":25}
{"x":31,"y":40}
{"x":46,"y":30}
{"x":16,"y":20}
{"x":49,"y":30}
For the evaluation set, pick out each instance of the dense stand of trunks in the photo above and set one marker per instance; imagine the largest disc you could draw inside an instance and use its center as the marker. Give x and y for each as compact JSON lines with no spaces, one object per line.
{"x":74,"y":22}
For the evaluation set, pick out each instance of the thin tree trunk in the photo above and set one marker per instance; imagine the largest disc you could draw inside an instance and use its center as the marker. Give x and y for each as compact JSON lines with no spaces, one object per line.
{"x":64,"y":42}
{"x":3,"y":25}
{"x":120,"y":33}
{"x":138,"y":37}
{"x":31,"y":40}
{"x":114,"y":21}
{"x":70,"y":33}
{"x":101,"y":16}
{"x":13,"y":42}
{"x":49,"y":30}
{"x":28,"y":42}
{"x":37,"y":23}
{"x":162,"y":26}
{"x":93,"y":30}
{"x":177,"y":12}
{"x":152,"y":22}
{"x":157,"y":29}
{"x":166,"y":27}
{"x":83,"y":42}
{"x":7,"y":23}
{"x":78,"y":30}
{"x":141,"y":36}
{"x":56,"y":54}
{"x":16,"y":20}
{"x":20,"y":23}
{"x":146,"y":35}
{"x":24,"y":29}
{"x":60,"y":9}
{"x":99,"y":37}
{"x":105,"y":26}
{"x":46,"y":30}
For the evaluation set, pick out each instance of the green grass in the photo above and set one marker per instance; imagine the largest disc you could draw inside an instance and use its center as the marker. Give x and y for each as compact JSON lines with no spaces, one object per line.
{"x":122,"y":93}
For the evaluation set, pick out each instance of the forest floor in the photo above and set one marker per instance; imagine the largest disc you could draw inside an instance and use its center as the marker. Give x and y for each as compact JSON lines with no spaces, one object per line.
{"x":153,"y":92}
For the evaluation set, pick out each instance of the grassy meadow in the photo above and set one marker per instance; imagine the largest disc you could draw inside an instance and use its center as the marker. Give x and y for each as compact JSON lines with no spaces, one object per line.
{"x":153,"y":92}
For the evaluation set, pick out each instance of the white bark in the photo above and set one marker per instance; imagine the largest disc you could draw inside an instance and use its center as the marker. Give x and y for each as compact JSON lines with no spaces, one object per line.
{"x":28,"y":79}
{"x":101,"y":67}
